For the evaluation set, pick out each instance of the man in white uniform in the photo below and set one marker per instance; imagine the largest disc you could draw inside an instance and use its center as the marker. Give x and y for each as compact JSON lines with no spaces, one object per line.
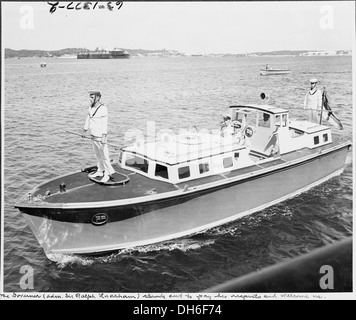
{"x":97,"y":124}
{"x":313,"y":102}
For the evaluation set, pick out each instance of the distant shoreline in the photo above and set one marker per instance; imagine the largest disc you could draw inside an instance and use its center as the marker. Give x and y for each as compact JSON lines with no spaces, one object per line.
{"x":190,"y":56}
{"x":164,"y":53}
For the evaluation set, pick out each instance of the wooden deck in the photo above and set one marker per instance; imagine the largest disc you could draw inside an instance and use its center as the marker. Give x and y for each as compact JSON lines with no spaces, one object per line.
{"x":79,"y":188}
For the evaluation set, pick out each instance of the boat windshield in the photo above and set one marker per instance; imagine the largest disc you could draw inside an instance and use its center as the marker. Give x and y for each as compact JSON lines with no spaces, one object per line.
{"x":136,"y":162}
{"x":245,"y":116}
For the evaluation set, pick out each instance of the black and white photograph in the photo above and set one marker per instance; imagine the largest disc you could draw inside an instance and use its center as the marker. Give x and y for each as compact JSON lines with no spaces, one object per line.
{"x":194,"y":150}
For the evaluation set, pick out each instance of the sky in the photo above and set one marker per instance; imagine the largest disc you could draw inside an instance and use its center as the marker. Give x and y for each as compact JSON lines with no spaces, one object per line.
{"x":189,"y":27}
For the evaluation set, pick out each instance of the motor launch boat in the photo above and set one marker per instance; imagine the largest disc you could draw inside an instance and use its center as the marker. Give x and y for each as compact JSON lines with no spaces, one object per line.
{"x":183,"y":184}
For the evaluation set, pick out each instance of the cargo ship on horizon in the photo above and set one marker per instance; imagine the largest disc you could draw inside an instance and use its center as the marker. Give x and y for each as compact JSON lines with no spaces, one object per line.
{"x":103,"y":54}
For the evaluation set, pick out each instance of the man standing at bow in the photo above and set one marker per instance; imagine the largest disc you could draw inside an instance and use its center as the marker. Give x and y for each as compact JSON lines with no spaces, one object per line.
{"x":97,"y":123}
{"x":313,"y":102}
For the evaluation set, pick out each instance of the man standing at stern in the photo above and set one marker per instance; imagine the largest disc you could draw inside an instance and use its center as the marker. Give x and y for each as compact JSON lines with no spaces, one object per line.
{"x":313,"y":102}
{"x":97,"y":124}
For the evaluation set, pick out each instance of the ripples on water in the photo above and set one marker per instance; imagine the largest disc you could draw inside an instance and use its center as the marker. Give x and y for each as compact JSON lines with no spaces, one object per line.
{"x":42,"y":103}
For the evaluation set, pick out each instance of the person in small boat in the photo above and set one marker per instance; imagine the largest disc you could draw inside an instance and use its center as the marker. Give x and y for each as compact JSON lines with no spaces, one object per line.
{"x":96,"y":123}
{"x":313,"y":102}
{"x":226,"y":126}
{"x":268,"y":67}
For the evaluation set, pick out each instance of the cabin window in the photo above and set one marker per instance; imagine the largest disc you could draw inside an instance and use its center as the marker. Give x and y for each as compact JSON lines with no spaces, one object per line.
{"x":184,"y":172}
{"x":136,"y":162}
{"x":278,"y":120}
{"x":248,"y":117}
{"x":236,"y":155}
{"x":325,"y":137}
{"x":264,"y":120}
{"x":238,"y":116}
{"x":316,"y":140}
{"x":227,"y":162}
{"x":235,"y":115}
{"x":284,"y":120}
{"x":203,"y":167}
{"x":251,"y":119}
{"x":161,"y":171}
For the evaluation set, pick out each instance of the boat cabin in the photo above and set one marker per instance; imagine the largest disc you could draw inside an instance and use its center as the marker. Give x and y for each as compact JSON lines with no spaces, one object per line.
{"x":184,"y":157}
{"x":274,"y":132}
{"x":265,"y":133}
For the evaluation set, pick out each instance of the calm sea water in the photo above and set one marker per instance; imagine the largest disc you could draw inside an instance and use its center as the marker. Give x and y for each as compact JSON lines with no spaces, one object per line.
{"x":42,"y":103}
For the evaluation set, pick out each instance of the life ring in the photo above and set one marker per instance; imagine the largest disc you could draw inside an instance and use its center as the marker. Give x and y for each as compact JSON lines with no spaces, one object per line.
{"x":249,"y":131}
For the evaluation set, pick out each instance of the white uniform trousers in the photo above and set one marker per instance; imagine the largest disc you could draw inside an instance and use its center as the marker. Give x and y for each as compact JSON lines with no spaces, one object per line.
{"x":102,"y":156}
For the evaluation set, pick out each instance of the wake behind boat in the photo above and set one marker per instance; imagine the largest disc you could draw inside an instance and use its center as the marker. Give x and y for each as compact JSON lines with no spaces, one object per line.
{"x":184,"y":184}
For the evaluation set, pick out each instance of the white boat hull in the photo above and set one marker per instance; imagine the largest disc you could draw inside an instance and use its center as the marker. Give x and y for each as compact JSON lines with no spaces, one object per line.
{"x":265,"y":72}
{"x":212,"y":206}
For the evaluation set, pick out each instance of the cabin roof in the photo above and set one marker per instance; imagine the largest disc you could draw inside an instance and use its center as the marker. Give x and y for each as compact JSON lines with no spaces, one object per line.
{"x":178,"y":149}
{"x":307,"y":126}
{"x":261,"y":107}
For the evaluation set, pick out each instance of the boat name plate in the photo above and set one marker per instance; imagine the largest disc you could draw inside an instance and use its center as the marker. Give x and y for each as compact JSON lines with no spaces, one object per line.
{"x":99,"y":219}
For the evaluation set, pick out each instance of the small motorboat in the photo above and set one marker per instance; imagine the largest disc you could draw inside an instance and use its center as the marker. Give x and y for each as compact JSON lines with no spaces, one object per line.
{"x":43,"y":64}
{"x":183,"y":184}
{"x":272,"y":71}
